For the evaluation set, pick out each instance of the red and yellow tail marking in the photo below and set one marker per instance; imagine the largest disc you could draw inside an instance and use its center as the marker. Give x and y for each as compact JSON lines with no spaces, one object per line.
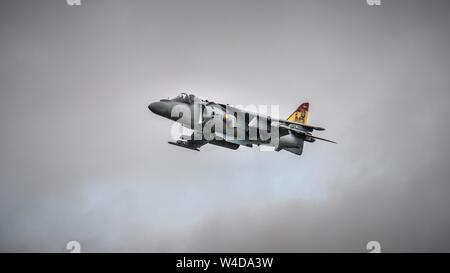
{"x":301,"y":114}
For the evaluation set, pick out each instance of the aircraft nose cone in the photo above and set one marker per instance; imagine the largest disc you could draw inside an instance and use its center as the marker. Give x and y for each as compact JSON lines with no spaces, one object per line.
{"x":159,"y":108}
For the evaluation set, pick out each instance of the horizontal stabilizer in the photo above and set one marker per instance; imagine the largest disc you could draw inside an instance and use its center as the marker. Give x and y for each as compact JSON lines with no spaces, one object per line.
{"x":313,"y":127}
{"x":323,"y":139}
{"x":309,"y":128}
{"x":305,"y":134}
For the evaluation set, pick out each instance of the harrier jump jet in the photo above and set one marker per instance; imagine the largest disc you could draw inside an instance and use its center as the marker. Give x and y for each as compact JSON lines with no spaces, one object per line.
{"x":230,"y":127}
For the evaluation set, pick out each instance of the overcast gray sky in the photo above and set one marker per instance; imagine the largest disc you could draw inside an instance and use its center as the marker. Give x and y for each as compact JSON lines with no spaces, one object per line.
{"x":82,"y":158}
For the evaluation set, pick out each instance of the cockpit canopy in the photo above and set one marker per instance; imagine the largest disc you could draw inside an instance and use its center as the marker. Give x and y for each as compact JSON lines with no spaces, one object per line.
{"x":186,"y":98}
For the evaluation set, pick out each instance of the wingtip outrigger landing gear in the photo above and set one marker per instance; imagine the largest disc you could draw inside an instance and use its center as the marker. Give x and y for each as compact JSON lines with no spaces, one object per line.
{"x":184,"y":144}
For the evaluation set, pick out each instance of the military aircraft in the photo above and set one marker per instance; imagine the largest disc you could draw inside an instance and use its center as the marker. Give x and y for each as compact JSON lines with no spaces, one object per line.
{"x":231,"y":127}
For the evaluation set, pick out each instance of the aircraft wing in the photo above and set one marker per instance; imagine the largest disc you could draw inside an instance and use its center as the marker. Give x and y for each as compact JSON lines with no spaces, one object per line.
{"x":189,"y":142}
{"x":238,"y":110}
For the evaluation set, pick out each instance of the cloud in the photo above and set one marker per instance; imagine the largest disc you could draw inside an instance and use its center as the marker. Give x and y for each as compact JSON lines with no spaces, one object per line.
{"x":82,"y":158}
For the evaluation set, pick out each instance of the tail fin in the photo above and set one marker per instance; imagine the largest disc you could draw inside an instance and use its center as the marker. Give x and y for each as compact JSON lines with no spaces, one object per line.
{"x":301,"y":114}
